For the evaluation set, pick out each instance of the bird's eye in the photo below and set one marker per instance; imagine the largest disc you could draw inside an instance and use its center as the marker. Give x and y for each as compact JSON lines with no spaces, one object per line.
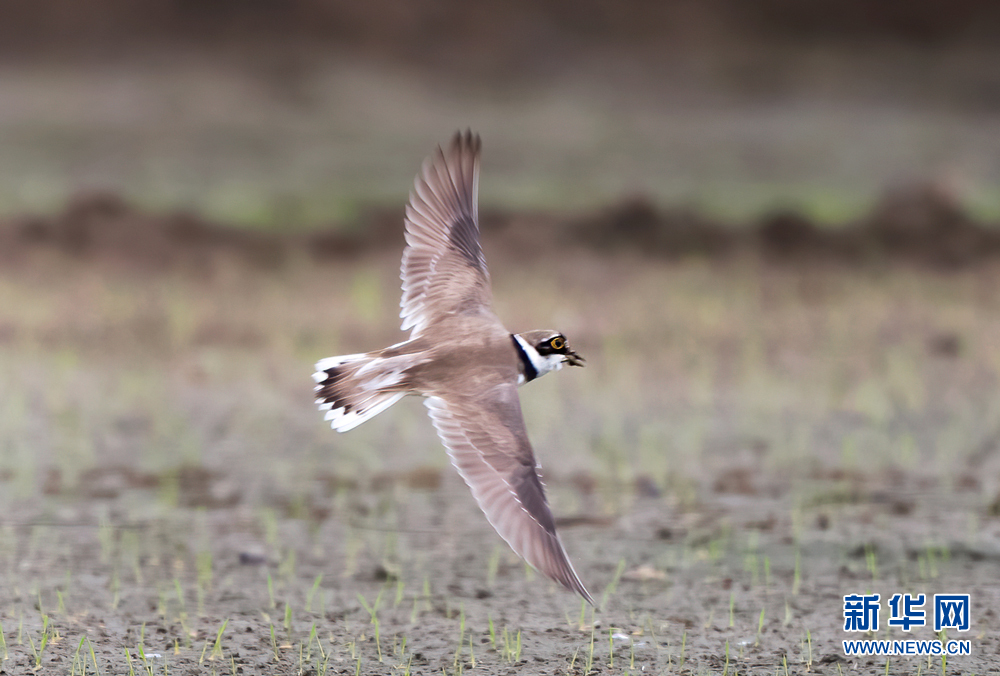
{"x":557,"y":343}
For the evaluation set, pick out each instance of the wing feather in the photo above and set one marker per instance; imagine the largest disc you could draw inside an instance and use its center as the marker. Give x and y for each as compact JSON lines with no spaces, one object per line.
{"x":444,"y":271}
{"x":488,"y":444}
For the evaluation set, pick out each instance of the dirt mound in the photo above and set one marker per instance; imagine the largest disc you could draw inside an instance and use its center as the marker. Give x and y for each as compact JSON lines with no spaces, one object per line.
{"x":637,"y":224}
{"x":920,"y":224}
{"x":105,"y":229}
{"x":103,"y":226}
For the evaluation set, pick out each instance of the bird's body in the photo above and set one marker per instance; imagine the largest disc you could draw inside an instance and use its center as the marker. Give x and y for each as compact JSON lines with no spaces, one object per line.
{"x":462,"y":359}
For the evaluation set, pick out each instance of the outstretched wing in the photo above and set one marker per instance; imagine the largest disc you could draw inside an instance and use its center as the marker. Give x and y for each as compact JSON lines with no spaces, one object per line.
{"x":488,"y":444}
{"x":443,"y":269}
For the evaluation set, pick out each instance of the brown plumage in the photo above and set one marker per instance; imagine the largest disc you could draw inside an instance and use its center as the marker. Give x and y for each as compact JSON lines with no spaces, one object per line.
{"x":460,"y":356}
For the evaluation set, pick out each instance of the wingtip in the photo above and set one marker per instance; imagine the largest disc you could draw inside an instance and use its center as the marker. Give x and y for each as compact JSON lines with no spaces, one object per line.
{"x":466,"y":140}
{"x":565,"y":575}
{"x":575,"y":584}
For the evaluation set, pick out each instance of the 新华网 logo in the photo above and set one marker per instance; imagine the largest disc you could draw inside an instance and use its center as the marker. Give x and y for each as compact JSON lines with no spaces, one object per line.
{"x":906,"y":611}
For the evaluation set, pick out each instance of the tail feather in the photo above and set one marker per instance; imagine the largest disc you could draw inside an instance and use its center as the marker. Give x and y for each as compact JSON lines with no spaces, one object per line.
{"x":356,"y":387}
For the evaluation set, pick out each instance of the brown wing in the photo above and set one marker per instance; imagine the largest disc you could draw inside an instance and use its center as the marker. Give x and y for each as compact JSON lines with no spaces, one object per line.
{"x":488,"y":444}
{"x":443,"y":270}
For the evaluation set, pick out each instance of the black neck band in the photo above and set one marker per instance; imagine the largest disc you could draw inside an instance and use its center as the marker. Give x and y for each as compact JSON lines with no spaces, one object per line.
{"x":530,"y":372}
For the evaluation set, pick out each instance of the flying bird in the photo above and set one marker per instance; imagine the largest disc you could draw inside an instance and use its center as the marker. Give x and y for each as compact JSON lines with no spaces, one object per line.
{"x":462,"y":359}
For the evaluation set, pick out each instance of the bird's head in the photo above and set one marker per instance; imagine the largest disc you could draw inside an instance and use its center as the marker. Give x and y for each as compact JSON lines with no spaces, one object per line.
{"x":546,"y":351}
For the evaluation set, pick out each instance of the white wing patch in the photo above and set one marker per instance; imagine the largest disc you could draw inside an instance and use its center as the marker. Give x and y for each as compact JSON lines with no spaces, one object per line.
{"x":323,"y":365}
{"x":354,"y":388}
{"x":342,"y":422}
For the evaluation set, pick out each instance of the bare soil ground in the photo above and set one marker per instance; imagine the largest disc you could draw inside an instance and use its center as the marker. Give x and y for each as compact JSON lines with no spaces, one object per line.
{"x":758,"y":432}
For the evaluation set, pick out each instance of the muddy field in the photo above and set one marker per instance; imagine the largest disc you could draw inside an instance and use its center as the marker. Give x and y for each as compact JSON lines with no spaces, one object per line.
{"x":758,"y":432}
{"x":772,"y":232}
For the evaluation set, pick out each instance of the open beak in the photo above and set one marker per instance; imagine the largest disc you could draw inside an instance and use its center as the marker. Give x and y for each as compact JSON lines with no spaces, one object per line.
{"x":573,"y":359}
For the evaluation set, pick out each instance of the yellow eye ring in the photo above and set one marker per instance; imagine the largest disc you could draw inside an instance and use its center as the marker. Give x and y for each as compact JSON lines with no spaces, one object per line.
{"x":557,"y":343}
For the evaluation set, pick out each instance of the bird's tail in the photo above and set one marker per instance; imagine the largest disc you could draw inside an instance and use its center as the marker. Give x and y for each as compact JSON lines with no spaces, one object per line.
{"x":355,"y":387}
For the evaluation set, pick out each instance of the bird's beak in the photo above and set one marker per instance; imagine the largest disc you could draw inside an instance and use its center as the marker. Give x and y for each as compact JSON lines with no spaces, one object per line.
{"x":573,"y":359}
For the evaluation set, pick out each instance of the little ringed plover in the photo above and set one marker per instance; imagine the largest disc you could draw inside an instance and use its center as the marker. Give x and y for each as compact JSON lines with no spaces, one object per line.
{"x":462,"y":359}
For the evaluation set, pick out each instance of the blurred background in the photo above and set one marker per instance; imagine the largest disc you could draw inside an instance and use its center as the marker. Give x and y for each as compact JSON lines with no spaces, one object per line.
{"x":301,"y":112}
{"x":770,"y":227}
